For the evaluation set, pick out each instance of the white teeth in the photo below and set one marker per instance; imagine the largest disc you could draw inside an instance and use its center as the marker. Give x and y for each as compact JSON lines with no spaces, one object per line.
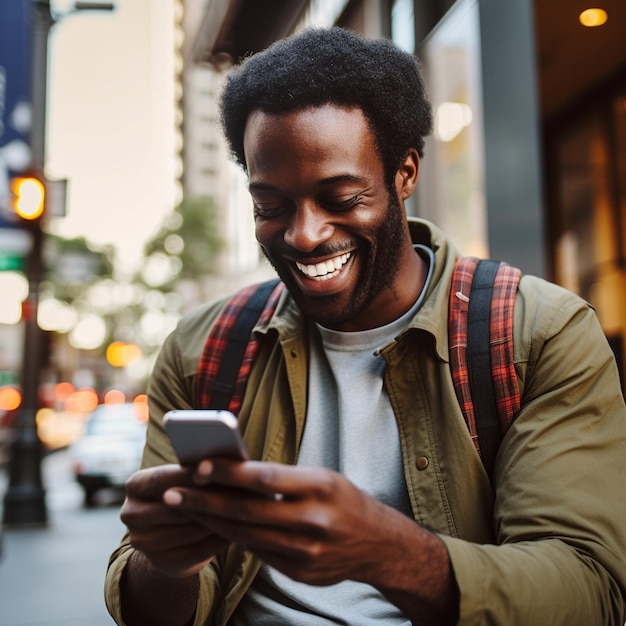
{"x":325,"y":270}
{"x":321,"y":269}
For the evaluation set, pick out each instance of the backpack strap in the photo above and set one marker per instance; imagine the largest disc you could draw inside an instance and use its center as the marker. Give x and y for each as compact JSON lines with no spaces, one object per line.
{"x":230,"y":347}
{"x":482,"y":298}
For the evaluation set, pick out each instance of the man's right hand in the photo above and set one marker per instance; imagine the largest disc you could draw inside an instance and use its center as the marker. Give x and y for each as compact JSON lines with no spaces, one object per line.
{"x":175,"y":544}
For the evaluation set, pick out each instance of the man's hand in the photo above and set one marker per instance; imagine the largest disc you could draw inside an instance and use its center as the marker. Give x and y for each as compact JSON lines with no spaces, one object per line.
{"x":174,"y":541}
{"x":310,"y":523}
{"x":315,"y":526}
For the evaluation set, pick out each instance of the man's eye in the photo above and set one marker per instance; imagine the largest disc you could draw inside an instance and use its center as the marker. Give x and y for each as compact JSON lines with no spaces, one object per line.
{"x":268,"y":210}
{"x":340,"y":205}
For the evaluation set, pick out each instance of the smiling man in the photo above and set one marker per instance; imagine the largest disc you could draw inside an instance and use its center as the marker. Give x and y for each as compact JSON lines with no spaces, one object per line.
{"x":326,"y":218}
{"x":385,"y":512}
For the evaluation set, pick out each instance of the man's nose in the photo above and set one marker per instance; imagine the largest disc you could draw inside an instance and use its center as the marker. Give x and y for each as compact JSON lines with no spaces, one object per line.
{"x":308,"y":227}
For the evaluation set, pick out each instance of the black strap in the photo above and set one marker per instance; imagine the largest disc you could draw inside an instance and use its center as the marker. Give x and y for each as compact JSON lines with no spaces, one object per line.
{"x":479,"y":361}
{"x":247,"y":317}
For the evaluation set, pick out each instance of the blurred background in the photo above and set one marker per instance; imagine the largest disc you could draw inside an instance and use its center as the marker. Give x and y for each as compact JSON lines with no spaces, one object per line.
{"x":120,"y":210}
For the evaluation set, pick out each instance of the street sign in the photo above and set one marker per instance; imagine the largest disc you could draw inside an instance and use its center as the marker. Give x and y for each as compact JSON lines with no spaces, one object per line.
{"x":15,"y":244}
{"x":15,"y":71}
{"x":15,"y":241}
{"x":11,"y":262}
{"x":15,"y":91}
{"x":8,"y":378}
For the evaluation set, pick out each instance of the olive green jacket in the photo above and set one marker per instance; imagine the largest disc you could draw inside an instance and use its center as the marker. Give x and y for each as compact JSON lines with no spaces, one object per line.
{"x":549,"y":549}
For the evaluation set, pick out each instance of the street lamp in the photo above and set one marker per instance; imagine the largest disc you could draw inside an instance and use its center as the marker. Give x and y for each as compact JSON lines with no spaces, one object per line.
{"x":24,"y":502}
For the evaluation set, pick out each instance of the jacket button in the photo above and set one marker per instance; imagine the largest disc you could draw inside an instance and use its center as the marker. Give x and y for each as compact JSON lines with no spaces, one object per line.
{"x":421,"y":463}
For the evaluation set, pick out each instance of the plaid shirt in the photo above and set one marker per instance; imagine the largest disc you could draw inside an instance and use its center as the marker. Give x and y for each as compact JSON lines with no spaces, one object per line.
{"x":503,"y":376}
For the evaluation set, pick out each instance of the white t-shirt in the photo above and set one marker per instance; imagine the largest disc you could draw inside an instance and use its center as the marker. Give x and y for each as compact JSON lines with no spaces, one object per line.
{"x":350,"y":428}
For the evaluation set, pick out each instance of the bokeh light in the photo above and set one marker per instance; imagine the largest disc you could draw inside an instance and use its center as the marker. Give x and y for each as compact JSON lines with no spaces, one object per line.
{"x":114,"y":396}
{"x":593,"y":17}
{"x":10,"y":398}
{"x":56,"y":316}
{"x":121,"y":354}
{"x":89,"y":333}
{"x":141,"y":402}
{"x":82,"y":401}
{"x":14,"y":290}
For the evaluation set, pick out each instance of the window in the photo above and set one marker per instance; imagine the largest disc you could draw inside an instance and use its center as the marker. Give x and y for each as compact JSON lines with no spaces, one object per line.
{"x":403,"y":24}
{"x":451,"y":188}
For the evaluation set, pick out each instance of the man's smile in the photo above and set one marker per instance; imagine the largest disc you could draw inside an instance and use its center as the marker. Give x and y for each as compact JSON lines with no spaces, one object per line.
{"x":324,"y":270}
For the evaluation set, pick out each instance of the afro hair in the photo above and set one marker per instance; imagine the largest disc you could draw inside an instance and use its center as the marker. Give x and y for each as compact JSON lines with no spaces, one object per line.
{"x":332,"y":66}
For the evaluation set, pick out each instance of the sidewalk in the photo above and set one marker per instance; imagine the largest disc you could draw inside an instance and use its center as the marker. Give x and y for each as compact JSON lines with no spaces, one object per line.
{"x":53,"y":576}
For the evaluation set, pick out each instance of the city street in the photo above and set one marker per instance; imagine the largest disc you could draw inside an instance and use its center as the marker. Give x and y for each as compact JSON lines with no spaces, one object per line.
{"x":53,"y":576}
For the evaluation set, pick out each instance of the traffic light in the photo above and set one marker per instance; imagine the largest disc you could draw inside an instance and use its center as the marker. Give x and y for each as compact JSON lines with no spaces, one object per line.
{"x":28,"y":197}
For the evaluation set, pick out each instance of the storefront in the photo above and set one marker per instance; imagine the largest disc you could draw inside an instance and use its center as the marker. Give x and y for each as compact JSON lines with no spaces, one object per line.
{"x":528,"y":159}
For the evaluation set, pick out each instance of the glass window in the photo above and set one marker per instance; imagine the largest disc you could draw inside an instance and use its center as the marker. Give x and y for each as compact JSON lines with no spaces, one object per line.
{"x":451,"y":188}
{"x":403,"y":25}
{"x":325,"y":13}
{"x":588,"y":222}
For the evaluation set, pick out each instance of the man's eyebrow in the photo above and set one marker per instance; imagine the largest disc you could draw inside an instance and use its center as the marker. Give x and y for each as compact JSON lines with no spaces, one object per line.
{"x":261,"y":187}
{"x":341,"y":178}
{"x":324,"y":182}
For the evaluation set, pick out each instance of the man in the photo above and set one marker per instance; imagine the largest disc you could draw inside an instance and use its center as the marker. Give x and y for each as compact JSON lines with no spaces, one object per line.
{"x":386,"y":515}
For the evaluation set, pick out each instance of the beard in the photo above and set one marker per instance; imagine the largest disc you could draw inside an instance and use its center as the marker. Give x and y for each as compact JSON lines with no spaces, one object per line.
{"x":379,"y":266}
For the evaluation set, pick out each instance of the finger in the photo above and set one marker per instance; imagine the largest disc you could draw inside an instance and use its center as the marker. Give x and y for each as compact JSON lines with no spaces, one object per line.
{"x":229,"y":511}
{"x":257,"y":537}
{"x":268,"y":478}
{"x":223,"y":509}
{"x":300,"y":556}
{"x":145,"y":514}
{"x":150,"y":483}
{"x":280,"y":522}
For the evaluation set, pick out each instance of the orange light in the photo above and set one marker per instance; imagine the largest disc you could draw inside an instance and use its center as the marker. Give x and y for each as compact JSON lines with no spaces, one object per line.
{"x":141,"y":403}
{"x":593,"y":17}
{"x":10,"y":398}
{"x":29,"y":196}
{"x":82,"y":401}
{"x":58,"y":429}
{"x":114,"y":353}
{"x":62,"y":391}
{"x":114,"y":396}
{"x":120,"y":354}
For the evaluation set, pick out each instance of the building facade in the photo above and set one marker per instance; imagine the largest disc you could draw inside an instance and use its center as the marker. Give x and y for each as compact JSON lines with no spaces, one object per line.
{"x":527,"y":162}
{"x":206,"y":172}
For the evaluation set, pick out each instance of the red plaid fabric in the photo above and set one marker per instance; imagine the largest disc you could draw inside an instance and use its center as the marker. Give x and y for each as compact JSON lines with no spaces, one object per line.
{"x":501,"y":341}
{"x":217,"y":344}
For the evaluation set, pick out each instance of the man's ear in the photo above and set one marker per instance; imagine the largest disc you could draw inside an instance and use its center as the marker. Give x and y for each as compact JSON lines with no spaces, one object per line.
{"x":408,"y":174}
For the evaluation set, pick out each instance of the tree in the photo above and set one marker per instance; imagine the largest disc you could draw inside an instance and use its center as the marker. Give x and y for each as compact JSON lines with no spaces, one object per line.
{"x":187,"y":246}
{"x":74,"y":264}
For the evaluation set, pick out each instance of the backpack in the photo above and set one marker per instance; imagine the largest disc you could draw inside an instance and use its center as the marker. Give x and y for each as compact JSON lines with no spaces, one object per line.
{"x":480,"y":337}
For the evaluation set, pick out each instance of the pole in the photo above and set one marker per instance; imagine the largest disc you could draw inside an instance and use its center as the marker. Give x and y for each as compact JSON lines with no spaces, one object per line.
{"x":24,"y":502}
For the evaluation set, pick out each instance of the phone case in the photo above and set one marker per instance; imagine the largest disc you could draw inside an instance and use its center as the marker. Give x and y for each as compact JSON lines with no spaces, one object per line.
{"x":198,"y":435}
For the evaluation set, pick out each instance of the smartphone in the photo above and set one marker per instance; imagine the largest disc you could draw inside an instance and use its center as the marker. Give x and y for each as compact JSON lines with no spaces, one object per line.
{"x":198,"y":435}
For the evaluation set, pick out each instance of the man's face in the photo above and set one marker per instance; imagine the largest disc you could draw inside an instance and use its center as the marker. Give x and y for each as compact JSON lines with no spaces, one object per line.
{"x":325,"y":218}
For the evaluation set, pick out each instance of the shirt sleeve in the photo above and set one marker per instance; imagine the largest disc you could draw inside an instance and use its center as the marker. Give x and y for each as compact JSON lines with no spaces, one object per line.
{"x":560,"y":510}
{"x":171,"y":387}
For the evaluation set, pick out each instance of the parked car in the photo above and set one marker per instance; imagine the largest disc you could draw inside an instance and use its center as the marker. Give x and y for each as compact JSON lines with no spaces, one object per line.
{"x":110,"y":449}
